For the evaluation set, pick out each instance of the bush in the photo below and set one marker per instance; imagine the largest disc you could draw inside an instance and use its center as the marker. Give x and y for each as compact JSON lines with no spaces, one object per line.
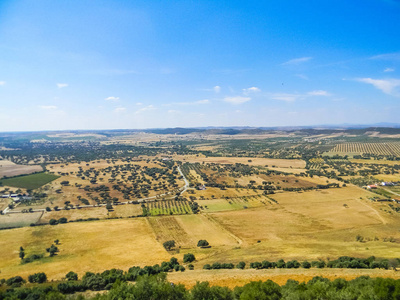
{"x":207,"y":267}
{"x":169,"y":244}
{"x":15,"y":281}
{"x":71,"y":276}
{"x":62,"y":220}
{"x":202,"y":243}
{"x":190,"y":267}
{"x":241,"y":265}
{"x":37,"y":278}
{"x":189,"y":257}
{"x":53,"y":222}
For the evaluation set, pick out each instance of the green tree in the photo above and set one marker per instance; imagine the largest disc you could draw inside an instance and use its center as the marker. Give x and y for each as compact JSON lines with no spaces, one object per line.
{"x":188,"y":257}
{"x":168,"y":245}
{"x":71,"y":276}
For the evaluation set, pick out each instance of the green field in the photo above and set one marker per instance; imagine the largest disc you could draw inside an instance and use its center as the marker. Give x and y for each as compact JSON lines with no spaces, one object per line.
{"x":29,"y":182}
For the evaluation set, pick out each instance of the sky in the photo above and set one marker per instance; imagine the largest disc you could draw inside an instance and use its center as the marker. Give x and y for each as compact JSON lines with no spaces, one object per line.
{"x":85,"y":64}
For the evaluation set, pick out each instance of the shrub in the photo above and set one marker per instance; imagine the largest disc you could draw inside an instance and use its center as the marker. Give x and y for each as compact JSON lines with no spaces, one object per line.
{"x":189,"y":257}
{"x":202,"y":243}
{"x":241,"y":265}
{"x":53,"y":222}
{"x":37,"y":278}
{"x":71,"y":276}
{"x":169,"y":244}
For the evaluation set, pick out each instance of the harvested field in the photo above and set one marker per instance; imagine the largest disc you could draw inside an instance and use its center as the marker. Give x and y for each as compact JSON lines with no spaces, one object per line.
{"x":9,"y":169}
{"x":90,"y":246}
{"x":19,"y":220}
{"x":167,"y":228}
{"x":235,"y":277}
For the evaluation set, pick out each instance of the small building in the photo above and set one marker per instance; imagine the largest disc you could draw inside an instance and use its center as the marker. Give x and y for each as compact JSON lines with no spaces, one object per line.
{"x":13,"y":195}
{"x":372,"y":186}
{"x":201,"y":187}
{"x":5,"y":196}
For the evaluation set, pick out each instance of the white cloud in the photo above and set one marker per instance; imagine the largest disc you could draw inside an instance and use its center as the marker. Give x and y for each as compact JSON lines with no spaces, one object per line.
{"x":204,"y":101}
{"x":112,"y":98}
{"x":217,"y":89}
{"x":237,"y":100}
{"x":62,"y":85}
{"x":2,"y":83}
{"x":318,"y":93}
{"x":139,"y":103}
{"x":287,"y":97}
{"x":388,"y":70}
{"x":120,"y":109}
{"x":297,"y":61}
{"x":144,"y":109}
{"x":251,"y":90}
{"x":388,"y":86}
{"x":48,"y":107}
{"x":172,"y":111}
{"x":387,"y":56}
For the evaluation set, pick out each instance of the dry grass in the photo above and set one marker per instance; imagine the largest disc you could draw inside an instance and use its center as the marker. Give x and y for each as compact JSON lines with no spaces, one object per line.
{"x":235,"y":277}
{"x":9,"y":169}
{"x":90,"y":246}
{"x":270,"y":162}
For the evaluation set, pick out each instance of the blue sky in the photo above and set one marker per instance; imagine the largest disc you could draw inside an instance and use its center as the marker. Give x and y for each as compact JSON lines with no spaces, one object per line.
{"x":81,"y":64}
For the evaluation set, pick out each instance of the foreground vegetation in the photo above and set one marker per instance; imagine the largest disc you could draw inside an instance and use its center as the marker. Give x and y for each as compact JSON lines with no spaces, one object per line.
{"x":150,"y":286}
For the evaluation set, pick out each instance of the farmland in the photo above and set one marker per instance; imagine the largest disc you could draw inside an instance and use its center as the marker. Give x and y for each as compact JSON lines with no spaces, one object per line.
{"x":10,"y":169}
{"x":261,"y":199}
{"x":29,"y":182}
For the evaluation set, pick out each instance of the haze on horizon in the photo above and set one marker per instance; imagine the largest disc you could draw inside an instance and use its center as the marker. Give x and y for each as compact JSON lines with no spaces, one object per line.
{"x":146,"y":64}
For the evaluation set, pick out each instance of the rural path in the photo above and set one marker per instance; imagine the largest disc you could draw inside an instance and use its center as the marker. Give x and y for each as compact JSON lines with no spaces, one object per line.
{"x":397,"y":194}
{"x":184,"y":179}
{"x":373,"y":209}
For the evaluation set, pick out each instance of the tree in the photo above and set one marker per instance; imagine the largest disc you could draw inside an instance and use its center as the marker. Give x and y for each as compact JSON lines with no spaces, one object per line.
{"x":21,"y":253}
{"x":202,"y":243}
{"x":56,"y":242}
{"x":241,"y":265}
{"x":169,"y":244}
{"x":53,"y":222}
{"x":52,"y":250}
{"x":62,"y":220}
{"x":188,"y":257}
{"x":48,"y":208}
{"x":71,"y":276}
{"x":109,"y":206}
{"x":38,"y":278}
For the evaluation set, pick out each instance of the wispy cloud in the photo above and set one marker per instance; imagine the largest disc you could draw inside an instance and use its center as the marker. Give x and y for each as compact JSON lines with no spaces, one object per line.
{"x":199,"y":102}
{"x":251,"y":90}
{"x":112,"y":98}
{"x":387,"y":56}
{"x":48,"y":107}
{"x":388,"y":70}
{"x":297,"y":61}
{"x":291,"y":97}
{"x":2,"y":83}
{"x":62,"y":85}
{"x":286,"y":97}
{"x":237,"y":100}
{"x":144,"y":109}
{"x":388,"y":86}
{"x":217,"y":89}
{"x":318,"y":93}
{"x":120,"y":109}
